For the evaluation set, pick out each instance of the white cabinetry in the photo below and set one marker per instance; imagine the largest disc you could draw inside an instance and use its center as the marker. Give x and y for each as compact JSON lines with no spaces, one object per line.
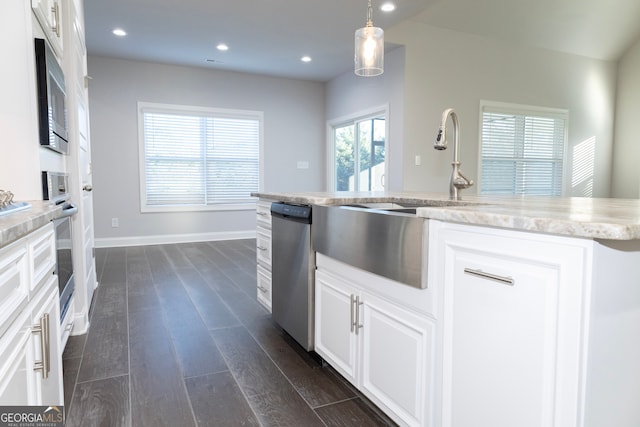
{"x":537,"y":330}
{"x":263,"y":252}
{"x":30,"y":348}
{"x":49,"y":14}
{"x":379,"y":344}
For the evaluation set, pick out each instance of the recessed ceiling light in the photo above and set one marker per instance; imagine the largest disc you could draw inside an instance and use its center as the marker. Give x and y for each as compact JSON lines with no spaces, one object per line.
{"x":119,"y":32}
{"x":223,"y":47}
{"x":388,"y":7}
{"x":305,"y":59}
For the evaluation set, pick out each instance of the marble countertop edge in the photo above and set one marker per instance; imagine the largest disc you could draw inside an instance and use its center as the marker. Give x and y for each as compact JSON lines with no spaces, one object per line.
{"x":593,"y":218}
{"x":18,"y":224}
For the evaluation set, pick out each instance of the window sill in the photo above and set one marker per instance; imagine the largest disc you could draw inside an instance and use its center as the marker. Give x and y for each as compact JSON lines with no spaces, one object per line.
{"x":199,"y":208}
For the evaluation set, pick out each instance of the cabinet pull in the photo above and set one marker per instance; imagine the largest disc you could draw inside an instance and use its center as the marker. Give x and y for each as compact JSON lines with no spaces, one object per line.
{"x":262,"y":289}
{"x":55,"y":10}
{"x":500,"y":279}
{"x":262,"y":248}
{"x":262,"y":213}
{"x":353,"y":323}
{"x":43,"y":329}
{"x":357,"y":324}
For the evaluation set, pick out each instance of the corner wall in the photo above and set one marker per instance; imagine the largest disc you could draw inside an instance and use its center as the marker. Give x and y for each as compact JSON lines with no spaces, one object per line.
{"x":293,"y":131}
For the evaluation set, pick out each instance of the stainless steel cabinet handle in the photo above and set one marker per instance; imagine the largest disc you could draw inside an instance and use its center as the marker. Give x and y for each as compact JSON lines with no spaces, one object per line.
{"x":357,"y":322}
{"x":262,"y":248}
{"x":353,"y":324}
{"x":55,"y":10}
{"x":43,"y":329}
{"x":500,"y":279}
{"x":262,"y":213}
{"x":263,"y":289}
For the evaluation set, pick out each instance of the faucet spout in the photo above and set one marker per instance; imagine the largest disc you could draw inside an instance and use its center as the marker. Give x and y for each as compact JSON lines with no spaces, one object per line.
{"x":458,"y":181}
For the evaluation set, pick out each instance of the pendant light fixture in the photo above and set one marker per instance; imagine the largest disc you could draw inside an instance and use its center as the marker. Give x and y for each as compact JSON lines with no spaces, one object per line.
{"x":369,"y":56}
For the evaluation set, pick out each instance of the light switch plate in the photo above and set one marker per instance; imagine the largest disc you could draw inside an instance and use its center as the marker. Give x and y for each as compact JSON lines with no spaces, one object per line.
{"x":303,"y":164}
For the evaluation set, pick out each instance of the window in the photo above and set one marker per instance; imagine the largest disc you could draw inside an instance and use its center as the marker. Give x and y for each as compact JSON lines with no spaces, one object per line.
{"x":359,"y":154}
{"x":522,"y":150}
{"x":198,"y":158}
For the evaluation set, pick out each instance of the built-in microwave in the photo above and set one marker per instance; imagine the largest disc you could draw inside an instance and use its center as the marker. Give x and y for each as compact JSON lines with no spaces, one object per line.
{"x":52,"y":111}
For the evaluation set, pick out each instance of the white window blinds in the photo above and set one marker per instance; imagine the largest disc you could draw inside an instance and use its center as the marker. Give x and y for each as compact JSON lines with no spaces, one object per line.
{"x":198,"y":158}
{"x":522,"y":152}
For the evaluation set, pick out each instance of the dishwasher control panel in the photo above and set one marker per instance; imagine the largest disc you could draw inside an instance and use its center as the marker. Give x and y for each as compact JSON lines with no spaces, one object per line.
{"x":296,"y":211}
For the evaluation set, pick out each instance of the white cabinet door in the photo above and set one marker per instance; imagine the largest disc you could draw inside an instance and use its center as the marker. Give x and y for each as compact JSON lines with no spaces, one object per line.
{"x":46,"y":317}
{"x":335,"y":339}
{"x":383,"y":348}
{"x":511,"y":338}
{"x":49,"y":14}
{"x":396,"y":357}
{"x":14,"y":283}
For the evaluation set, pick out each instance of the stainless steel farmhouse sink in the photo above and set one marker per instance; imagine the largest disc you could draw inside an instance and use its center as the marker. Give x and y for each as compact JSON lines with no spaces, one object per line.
{"x":386,"y":240}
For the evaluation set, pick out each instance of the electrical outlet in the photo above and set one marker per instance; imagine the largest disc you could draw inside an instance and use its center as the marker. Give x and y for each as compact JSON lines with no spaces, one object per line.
{"x":303,"y":164}
{"x":115,"y":222}
{"x":418,"y":160}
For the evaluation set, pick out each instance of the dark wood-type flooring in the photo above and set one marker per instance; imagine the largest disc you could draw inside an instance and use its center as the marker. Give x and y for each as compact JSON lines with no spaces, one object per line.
{"x":178,"y":339}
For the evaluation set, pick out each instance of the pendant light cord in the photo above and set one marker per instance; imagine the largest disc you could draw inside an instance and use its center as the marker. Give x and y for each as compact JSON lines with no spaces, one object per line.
{"x":369,"y":15}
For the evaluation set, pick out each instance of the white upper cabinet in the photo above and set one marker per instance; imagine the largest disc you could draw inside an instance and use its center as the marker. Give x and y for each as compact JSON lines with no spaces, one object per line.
{"x":49,"y":14}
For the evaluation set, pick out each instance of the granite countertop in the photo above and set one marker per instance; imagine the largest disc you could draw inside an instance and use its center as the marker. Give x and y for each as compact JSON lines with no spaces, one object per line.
{"x":18,"y":224}
{"x":607,"y":219}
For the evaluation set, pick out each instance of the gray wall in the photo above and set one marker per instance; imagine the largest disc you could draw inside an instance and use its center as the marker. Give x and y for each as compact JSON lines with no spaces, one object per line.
{"x":626,"y":171}
{"x":293,"y":130}
{"x":450,"y":69}
{"x":348,"y":94}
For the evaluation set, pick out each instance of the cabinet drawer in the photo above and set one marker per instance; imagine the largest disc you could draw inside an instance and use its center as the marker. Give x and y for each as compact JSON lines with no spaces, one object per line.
{"x":263,"y":214}
{"x":42,"y":247}
{"x":14,"y":283}
{"x":264,"y":287}
{"x":263,"y":246}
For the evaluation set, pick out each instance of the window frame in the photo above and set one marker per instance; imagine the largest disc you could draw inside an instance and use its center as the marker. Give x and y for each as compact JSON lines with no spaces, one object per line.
{"x":526,"y":110}
{"x":143,"y":107}
{"x":371,"y":113}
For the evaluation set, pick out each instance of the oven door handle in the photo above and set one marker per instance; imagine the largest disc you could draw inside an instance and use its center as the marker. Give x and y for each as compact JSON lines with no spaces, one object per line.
{"x":68,"y":210}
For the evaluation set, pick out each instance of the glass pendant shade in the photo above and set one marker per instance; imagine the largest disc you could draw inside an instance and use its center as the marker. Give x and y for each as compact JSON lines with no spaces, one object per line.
{"x":369,"y":51}
{"x":369,"y":57}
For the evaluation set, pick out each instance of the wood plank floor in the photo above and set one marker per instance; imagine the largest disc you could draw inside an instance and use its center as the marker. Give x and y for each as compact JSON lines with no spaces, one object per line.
{"x":178,"y":339}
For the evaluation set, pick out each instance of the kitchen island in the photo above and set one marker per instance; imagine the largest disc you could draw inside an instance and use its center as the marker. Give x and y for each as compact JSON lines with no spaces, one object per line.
{"x":530,"y":315}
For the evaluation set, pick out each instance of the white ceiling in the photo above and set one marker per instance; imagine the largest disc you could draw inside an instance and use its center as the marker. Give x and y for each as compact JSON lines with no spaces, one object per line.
{"x":270,"y":36}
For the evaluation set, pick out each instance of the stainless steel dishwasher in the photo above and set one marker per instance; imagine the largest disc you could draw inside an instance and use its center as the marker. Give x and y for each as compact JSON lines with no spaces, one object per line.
{"x":293,"y":269}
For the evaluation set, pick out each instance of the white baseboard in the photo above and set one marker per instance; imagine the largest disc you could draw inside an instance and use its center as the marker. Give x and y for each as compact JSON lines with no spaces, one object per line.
{"x":113,"y":242}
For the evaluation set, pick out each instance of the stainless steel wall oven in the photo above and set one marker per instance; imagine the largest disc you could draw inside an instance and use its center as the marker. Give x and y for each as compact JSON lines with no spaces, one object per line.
{"x":54,"y":188}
